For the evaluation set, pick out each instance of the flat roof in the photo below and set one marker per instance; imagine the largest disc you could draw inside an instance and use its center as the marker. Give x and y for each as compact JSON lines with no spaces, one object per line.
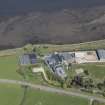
{"x":68,"y":56}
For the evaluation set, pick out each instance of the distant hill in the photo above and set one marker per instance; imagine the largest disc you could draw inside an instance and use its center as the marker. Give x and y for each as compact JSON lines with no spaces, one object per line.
{"x":17,"y":7}
{"x":59,"y":27}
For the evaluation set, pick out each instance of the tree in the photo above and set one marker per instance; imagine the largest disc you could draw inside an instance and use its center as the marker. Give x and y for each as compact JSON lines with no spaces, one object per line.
{"x":63,"y":85}
{"x":95,"y":102}
{"x":68,"y":82}
{"x":34,"y":49}
{"x":88,"y":83}
{"x":100,"y":86}
{"x":86,"y":72}
{"x":103,"y":93}
{"x":28,"y":48}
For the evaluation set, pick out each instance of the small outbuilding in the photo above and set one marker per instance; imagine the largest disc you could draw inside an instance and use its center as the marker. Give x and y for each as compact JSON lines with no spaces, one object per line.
{"x":101,"y":54}
{"x":60,"y":72}
{"x":27,"y":59}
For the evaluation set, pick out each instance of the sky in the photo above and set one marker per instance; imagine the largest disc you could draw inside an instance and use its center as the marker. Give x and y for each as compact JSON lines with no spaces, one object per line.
{"x":13,"y":7}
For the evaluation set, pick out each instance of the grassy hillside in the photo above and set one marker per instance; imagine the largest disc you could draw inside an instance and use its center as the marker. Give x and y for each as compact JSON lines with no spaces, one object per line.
{"x":63,"y":26}
{"x":46,"y":48}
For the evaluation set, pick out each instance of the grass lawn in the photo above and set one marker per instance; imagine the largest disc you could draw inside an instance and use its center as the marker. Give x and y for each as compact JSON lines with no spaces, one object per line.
{"x":10,"y":94}
{"x":96,"y":70}
{"x":8,"y":67}
{"x":37,"y":97}
{"x":35,"y":78}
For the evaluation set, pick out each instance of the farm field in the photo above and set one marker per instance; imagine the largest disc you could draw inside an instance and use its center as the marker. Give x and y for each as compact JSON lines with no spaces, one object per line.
{"x":34,"y":97}
{"x":16,"y":95}
{"x":8,"y":67}
{"x":10,"y":94}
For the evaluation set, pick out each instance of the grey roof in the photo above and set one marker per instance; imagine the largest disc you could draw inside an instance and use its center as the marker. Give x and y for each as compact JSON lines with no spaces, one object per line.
{"x":56,"y":57}
{"x":53,"y":59}
{"x":68,"y":56}
{"x":33,"y":58}
{"x":24,"y":60}
{"x":60,"y":72}
{"x":27,"y":59}
{"x":101,"y":53}
{"x":50,"y":60}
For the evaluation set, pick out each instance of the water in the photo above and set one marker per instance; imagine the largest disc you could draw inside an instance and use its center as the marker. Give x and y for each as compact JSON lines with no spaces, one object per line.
{"x":14,"y":7}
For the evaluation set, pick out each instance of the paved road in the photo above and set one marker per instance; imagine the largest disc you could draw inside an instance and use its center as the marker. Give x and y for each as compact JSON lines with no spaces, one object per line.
{"x":51,"y":89}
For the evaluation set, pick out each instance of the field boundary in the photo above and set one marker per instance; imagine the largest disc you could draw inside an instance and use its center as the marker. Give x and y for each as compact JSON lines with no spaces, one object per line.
{"x":52,"y":90}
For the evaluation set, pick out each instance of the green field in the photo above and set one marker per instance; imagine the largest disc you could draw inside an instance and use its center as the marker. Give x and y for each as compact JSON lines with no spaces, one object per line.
{"x":10,"y":94}
{"x":96,"y":71}
{"x":8,"y":67}
{"x":44,"y":98}
{"x":16,"y":95}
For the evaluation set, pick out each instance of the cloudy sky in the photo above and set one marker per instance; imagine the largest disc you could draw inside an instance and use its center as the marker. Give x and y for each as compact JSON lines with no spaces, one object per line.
{"x":8,"y":7}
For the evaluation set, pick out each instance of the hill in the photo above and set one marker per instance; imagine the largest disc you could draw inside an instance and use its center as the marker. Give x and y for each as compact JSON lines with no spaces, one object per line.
{"x":59,"y":27}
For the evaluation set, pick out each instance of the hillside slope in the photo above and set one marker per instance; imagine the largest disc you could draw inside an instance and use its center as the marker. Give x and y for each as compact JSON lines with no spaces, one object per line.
{"x":65,"y":26}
